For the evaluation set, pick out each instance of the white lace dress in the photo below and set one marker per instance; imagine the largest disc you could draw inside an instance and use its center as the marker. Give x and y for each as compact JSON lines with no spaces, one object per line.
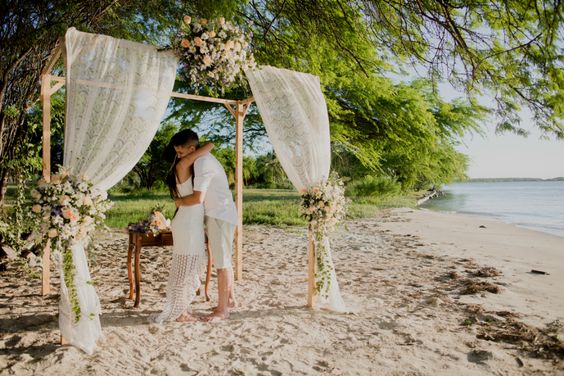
{"x":188,"y":257}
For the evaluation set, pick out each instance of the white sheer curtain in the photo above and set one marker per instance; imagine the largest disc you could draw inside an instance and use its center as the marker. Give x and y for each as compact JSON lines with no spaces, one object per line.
{"x":117,"y":92}
{"x":295,"y":116}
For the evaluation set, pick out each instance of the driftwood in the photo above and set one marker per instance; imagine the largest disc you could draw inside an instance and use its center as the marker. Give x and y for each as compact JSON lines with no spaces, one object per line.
{"x":429,"y":195}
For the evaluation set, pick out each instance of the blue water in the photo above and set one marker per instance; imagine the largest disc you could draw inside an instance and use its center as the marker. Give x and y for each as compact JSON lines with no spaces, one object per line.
{"x":537,"y":205}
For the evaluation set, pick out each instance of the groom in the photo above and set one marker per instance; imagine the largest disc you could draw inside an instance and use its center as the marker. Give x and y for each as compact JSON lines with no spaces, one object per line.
{"x":211,"y":188}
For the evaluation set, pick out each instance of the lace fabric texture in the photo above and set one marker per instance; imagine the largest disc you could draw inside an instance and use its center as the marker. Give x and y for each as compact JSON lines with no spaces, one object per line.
{"x":183,"y":281}
{"x":116,"y":93}
{"x":188,"y":257}
{"x":294,"y":114}
{"x":88,"y":329}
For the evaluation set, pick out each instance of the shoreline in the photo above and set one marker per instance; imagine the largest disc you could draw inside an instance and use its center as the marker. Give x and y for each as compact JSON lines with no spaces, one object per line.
{"x":406,"y":275}
{"x":494,"y":217}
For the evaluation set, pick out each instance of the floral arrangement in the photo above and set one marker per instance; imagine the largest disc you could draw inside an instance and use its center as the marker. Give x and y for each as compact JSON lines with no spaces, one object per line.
{"x":323,"y":206}
{"x":154,"y":224}
{"x":214,"y":53}
{"x":64,"y":211}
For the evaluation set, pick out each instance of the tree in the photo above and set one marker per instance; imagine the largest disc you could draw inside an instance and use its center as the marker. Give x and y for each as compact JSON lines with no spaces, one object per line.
{"x":153,"y":166}
{"x":31,"y":30}
{"x":508,"y":48}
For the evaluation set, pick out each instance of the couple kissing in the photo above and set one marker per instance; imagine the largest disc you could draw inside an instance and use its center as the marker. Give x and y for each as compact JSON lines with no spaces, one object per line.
{"x":198,"y":184}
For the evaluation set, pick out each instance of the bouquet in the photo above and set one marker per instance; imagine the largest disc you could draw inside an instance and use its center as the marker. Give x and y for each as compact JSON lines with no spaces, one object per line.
{"x":154,"y":224}
{"x":67,"y":210}
{"x":323,"y":206}
{"x":214,"y":53}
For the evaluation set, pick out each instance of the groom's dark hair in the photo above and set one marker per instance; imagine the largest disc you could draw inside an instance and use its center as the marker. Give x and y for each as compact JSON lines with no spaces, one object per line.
{"x":185,"y":137}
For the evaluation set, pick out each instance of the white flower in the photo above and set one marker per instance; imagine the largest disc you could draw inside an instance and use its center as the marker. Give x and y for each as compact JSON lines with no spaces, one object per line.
{"x":87,"y":201}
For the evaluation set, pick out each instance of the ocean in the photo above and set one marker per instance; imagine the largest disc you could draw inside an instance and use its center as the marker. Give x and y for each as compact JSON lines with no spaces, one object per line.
{"x":537,"y":205}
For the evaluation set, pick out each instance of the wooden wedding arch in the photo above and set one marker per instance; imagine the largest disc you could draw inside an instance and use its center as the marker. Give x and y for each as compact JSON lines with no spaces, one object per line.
{"x":238,"y":108}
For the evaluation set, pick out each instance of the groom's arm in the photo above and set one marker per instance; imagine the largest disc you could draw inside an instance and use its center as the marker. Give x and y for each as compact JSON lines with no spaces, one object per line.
{"x":194,"y":199}
{"x":203,"y":174}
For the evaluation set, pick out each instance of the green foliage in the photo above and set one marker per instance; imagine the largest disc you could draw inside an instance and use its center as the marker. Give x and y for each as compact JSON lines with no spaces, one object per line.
{"x":153,"y":167}
{"x":69,"y":273}
{"x":269,"y":173}
{"x":372,"y":186}
{"x":509,"y":49}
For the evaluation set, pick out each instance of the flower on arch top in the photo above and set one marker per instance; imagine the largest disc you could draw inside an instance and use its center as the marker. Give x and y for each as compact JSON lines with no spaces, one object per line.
{"x":213,"y":53}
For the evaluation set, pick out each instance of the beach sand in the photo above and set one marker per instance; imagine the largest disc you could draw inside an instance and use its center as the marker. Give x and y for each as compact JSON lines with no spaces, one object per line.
{"x":416,"y":283}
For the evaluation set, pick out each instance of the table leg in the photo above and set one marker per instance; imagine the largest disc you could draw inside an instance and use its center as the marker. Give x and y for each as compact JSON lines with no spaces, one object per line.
{"x":137,"y":271}
{"x":129,"y":271}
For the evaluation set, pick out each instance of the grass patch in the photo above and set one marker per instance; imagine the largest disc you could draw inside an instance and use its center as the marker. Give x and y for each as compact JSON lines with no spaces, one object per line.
{"x":133,"y":207}
{"x":260,"y":206}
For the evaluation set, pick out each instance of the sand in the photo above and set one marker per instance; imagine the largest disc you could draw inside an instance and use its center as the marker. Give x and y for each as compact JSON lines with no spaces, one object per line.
{"x":402,"y":274}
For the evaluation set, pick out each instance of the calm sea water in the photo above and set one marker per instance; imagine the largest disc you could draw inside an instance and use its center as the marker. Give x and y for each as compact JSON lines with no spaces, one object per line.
{"x":537,"y":205}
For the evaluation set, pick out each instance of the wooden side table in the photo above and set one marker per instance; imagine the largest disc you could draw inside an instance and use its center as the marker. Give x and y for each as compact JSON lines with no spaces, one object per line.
{"x":138,"y":240}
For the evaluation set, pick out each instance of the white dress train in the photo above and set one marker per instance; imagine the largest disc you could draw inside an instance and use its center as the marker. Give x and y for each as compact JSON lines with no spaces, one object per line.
{"x":188,"y":257}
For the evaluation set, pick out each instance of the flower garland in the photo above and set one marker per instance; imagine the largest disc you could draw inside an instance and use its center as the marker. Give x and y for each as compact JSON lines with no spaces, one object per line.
{"x":154,"y":224}
{"x":65,"y":211}
{"x":323,"y":206}
{"x":214,"y":53}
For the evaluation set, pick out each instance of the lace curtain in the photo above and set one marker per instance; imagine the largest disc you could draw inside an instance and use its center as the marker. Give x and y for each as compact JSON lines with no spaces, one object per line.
{"x":295,"y":116}
{"x":117,"y":92}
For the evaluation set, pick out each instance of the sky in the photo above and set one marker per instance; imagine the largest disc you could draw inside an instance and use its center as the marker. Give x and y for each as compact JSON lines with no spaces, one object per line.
{"x":509,"y":155}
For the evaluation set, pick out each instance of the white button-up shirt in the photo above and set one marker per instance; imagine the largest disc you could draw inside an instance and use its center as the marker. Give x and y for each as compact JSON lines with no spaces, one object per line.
{"x":210,"y":177}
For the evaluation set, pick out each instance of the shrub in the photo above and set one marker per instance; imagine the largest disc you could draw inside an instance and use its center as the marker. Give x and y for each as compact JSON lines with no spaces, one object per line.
{"x":370,"y":186}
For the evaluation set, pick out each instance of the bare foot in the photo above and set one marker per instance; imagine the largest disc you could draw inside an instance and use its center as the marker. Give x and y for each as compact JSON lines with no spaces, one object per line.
{"x":216,"y":316}
{"x":186,"y":317}
{"x":230,"y":304}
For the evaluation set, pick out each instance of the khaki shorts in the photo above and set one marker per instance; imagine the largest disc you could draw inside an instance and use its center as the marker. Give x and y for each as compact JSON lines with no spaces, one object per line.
{"x":220,"y":240}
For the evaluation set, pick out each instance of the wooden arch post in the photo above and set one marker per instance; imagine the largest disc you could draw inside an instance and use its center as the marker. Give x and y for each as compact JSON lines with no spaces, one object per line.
{"x":240,"y":111}
{"x":46,"y":92}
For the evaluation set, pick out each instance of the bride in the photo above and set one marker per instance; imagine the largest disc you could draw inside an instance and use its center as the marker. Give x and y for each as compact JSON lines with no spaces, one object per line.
{"x":188,"y":255}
